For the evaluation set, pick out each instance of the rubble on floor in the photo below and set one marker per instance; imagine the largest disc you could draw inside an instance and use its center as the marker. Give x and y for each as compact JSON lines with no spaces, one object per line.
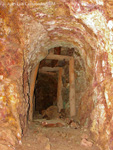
{"x":56,"y":134}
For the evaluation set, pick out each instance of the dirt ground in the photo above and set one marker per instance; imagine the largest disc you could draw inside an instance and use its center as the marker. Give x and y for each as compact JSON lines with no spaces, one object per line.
{"x":56,"y":137}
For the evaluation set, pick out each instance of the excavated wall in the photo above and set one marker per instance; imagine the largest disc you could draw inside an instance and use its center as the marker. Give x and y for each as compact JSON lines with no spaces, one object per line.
{"x":27,"y":31}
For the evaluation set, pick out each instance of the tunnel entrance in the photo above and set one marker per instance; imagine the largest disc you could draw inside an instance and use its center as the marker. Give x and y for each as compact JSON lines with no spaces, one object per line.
{"x":52,"y":87}
{"x":54,"y":121}
{"x":54,"y":102}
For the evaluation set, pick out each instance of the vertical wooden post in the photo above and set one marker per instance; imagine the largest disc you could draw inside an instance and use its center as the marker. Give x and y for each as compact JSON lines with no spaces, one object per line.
{"x":32,"y":86}
{"x":72,"y":87}
{"x":59,"y":90}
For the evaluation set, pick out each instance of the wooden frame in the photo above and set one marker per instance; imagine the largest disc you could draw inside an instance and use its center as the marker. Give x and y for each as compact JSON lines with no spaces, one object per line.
{"x":72,"y":87}
{"x":32,"y":86}
{"x":71,"y":79}
{"x":59,"y":97}
{"x":59,"y":90}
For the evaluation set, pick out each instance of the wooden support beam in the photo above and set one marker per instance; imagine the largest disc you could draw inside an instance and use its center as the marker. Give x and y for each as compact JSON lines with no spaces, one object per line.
{"x":58,"y":57}
{"x":49,"y":69}
{"x":48,"y":73}
{"x":72,"y":87}
{"x":32,"y":86}
{"x":59,"y":91}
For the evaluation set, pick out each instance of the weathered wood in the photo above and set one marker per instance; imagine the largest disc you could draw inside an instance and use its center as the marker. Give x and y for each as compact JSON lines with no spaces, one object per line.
{"x":32,"y":86}
{"x":72,"y":88}
{"x":49,"y":69}
{"x":58,"y":57}
{"x":57,"y":51}
{"x":48,"y":73}
{"x":59,"y":90}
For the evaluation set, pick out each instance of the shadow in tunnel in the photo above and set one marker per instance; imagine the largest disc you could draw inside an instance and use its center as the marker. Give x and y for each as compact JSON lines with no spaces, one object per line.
{"x":45,"y":92}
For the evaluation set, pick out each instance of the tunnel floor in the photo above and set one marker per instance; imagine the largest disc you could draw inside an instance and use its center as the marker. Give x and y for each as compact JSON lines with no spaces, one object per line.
{"x":56,"y":134}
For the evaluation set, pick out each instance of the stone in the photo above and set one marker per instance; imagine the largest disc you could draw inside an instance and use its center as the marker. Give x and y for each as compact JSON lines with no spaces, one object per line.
{"x":86,"y":143}
{"x":74,"y":125}
{"x":43,"y":142}
{"x":85,"y":136}
{"x":48,"y":147}
{"x":4,"y":147}
{"x":51,"y":112}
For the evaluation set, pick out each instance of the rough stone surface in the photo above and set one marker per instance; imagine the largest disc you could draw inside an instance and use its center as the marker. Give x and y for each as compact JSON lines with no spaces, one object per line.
{"x":28,"y":30}
{"x":54,"y":138}
{"x":51,"y":112}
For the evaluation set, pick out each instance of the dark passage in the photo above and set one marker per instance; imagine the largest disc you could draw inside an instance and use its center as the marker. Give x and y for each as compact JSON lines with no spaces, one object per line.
{"x":45,"y":91}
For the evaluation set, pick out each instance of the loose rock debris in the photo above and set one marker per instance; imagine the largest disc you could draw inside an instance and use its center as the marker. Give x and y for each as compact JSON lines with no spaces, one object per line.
{"x":50,"y":113}
{"x":58,"y":124}
{"x":56,"y":134}
{"x":86,"y":143}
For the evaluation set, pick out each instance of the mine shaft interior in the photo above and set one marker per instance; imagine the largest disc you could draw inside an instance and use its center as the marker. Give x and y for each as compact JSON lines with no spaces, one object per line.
{"x":56,"y":75}
{"x":54,"y":114}
{"x":46,"y":86}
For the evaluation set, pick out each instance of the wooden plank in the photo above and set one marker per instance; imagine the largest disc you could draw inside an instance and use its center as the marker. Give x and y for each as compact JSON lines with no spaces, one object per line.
{"x":59,"y":91}
{"x":72,"y":88}
{"x":48,"y":73}
{"x":50,"y":69}
{"x":32,"y":86}
{"x":58,"y":57}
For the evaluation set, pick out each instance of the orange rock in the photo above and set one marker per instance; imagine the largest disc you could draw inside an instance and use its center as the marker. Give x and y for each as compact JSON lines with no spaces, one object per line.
{"x":86,"y":143}
{"x":4,"y":147}
{"x":51,"y":112}
{"x":74,"y":125}
{"x":84,"y":136}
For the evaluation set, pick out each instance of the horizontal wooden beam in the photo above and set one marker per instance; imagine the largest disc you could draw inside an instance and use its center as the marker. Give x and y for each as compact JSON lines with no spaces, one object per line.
{"x":48,"y":73}
{"x":58,"y":57}
{"x":50,"y":69}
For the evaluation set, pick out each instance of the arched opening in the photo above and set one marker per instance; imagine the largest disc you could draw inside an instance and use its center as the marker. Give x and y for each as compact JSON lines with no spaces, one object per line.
{"x":58,"y":69}
{"x":71,"y":81}
{"x":55,"y":68}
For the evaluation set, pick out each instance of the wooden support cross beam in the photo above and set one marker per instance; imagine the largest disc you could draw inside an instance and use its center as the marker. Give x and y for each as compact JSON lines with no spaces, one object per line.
{"x":49,"y":69}
{"x":60,"y":69}
{"x":48,"y":73}
{"x":58,"y":57}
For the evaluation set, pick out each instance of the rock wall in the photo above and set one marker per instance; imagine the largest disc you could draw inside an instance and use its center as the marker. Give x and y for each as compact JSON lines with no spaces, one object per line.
{"x":27,"y":31}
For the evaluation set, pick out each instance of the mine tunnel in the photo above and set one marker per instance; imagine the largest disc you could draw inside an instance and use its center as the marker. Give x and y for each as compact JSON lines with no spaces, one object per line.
{"x":56,"y":75}
{"x":52,"y":82}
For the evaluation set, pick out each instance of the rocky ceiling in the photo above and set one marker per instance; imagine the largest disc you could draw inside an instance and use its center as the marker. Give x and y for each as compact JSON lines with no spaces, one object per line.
{"x":28,"y":29}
